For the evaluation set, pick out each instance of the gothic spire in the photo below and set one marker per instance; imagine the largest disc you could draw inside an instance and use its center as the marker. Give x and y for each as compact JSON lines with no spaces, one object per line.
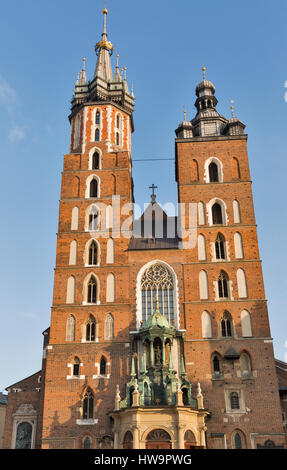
{"x":104,"y":50}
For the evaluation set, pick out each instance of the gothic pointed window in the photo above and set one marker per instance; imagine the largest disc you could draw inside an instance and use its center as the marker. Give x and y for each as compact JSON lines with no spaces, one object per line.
{"x":92,"y":291}
{"x":223,"y":286}
{"x":94,"y":188}
{"x":237,"y":441}
{"x":216,"y":365}
{"x":213,"y":173}
{"x":234,"y":401}
{"x":93,"y":220}
{"x":76,"y":367}
{"x":98,"y":117}
{"x":109,"y":327}
{"x":103,"y":366}
{"x":217,"y":218}
{"x":91,"y":329}
{"x":97,"y":135}
{"x":88,"y":405}
{"x":70,"y":328}
{"x":93,"y":254}
{"x":96,"y":161}
{"x":226,"y":328}
{"x":157,"y":283}
{"x":219,"y":247}
{"x":87,"y":443}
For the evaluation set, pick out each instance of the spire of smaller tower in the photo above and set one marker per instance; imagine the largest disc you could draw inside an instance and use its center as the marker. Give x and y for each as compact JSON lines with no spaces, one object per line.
{"x":232,"y":108}
{"x":117,"y":77}
{"x":83,"y":73}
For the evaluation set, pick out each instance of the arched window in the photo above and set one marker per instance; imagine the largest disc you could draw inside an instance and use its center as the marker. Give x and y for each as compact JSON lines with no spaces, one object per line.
{"x":76,"y":367}
{"x":236,"y":212}
{"x":201,"y":248}
{"x":110,"y":294}
{"x":70,"y":328}
{"x":75,"y":218}
{"x":93,"y":219}
{"x":201,"y":214}
{"x":223,"y":286}
{"x":217,"y":218}
{"x":97,"y":135}
{"x":110,"y":251}
{"x":246,"y":324}
{"x":194,"y":170}
{"x":226,"y":325}
{"x":95,"y":161}
{"x":109,"y":327}
{"x":92,"y":291}
{"x":93,"y":254}
{"x":118,"y":121}
{"x":91,"y":329}
{"x":206,"y":325}
{"x":94,"y":188}
{"x":73,"y":253}
{"x":213,"y":173}
{"x":238,"y":247}
{"x":245,"y":365}
{"x":235,"y":169}
{"x":203,"y":285}
{"x":71,"y":290}
{"x":87,"y":443}
{"x":241,"y":284}
{"x":220,"y":246}
{"x":216,"y":365}
{"x":88,"y":405}
{"x":234,"y":401}
{"x":98,"y":117}
{"x":157,"y":283}
{"x":103,"y":366}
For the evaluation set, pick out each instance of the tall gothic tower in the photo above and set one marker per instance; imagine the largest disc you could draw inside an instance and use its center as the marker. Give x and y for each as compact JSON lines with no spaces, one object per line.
{"x":91,"y":266}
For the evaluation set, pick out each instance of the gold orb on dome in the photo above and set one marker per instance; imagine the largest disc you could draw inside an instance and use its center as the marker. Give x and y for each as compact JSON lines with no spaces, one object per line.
{"x":105,"y":11}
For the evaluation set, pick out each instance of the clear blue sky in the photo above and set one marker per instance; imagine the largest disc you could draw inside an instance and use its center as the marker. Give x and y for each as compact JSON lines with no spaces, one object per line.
{"x":164,"y":45}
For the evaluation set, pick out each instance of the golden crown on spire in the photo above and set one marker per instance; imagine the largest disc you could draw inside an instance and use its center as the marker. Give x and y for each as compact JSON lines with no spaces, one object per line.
{"x":104,"y":44}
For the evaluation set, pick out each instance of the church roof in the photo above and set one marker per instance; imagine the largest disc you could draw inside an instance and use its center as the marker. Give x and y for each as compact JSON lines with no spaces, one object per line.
{"x":154,"y":230}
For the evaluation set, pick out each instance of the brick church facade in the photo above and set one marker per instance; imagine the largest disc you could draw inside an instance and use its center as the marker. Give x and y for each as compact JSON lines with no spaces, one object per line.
{"x":157,"y":340}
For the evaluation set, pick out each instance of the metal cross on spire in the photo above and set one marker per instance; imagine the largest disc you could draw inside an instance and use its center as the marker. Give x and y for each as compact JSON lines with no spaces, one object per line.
{"x":153,"y":195}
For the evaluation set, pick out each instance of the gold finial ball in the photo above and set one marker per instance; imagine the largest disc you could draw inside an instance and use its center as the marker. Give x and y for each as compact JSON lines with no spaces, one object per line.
{"x":203,"y":69}
{"x":105,"y":11}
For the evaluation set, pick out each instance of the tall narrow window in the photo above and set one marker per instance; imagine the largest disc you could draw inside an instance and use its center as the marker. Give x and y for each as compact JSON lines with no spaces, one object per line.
{"x":118,"y":122}
{"x":75,"y":218}
{"x":234,"y":401}
{"x":223,"y":285}
{"x":110,"y":251}
{"x":206,"y":325}
{"x":213,"y":173}
{"x":96,"y":161}
{"x":246,"y":324}
{"x":201,"y":248}
{"x":73,"y":253}
{"x":97,"y":135}
{"x":109,"y":327}
{"x":87,"y":443}
{"x":88,"y":405}
{"x":241,"y":284}
{"x":217,"y":218}
{"x":71,"y":290}
{"x":226,"y":328}
{"x":70,"y":328}
{"x":98,"y":117}
{"x":76,"y":367}
{"x":117,"y":138}
{"x":216,"y":364}
{"x":94,"y":188}
{"x":110,"y":294}
{"x":157,"y":283}
{"x":93,"y":254}
{"x":92,"y":291}
{"x":220,"y":246}
{"x":91,"y":329}
{"x":236,"y":212}
{"x":93,"y":220}
{"x":238,"y":247}
{"x":103,"y":366}
{"x":237,"y":441}
{"x":203,"y":285}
